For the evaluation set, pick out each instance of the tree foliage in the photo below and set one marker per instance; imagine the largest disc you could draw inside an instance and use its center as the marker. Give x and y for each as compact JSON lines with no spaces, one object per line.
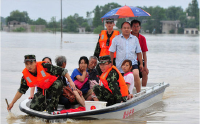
{"x":18,"y":16}
{"x":101,"y":11}
{"x":70,"y":24}
{"x":193,"y":10}
{"x":97,"y":18}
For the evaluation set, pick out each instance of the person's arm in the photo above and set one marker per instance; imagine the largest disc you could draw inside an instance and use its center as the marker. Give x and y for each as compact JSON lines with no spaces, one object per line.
{"x":139,"y":56}
{"x":145,"y":62}
{"x":17,"y":96}
{"x":71,"y":83}
{"x":22,"y":90}
{"x":82,"y":77}
{"x":32,"y":92}
{"x":97,"y":49}
{"x":112,"y":56}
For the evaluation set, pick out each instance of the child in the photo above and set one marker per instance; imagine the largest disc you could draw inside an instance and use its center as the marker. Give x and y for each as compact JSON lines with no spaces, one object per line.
{"x":128,"y":75}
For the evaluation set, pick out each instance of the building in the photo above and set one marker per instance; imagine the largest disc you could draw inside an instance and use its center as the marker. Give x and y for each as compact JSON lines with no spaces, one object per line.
{"x":81,"y":30}
{"x":170,"y":26}
{"x":192,"y":31}
{"x":13,"y":25}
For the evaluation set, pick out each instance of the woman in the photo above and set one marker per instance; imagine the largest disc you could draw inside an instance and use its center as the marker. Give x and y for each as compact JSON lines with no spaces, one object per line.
{"x":80,"y":78}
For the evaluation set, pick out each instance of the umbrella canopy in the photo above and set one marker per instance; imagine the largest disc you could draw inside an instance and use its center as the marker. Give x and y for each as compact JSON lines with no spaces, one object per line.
{"x":125,"y":12}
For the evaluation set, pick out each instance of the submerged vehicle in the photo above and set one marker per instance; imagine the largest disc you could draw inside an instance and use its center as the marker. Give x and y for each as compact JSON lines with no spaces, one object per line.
{"x":149,"y":95}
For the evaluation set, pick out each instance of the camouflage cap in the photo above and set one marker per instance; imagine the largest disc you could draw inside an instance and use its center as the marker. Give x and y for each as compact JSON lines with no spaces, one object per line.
{"x":109,"y":20}
{"x":104,"y":59}
{"x":29,"y":58}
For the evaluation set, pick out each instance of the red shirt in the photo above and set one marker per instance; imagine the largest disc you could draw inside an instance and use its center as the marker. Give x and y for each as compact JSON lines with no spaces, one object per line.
{"x":143,"y":44}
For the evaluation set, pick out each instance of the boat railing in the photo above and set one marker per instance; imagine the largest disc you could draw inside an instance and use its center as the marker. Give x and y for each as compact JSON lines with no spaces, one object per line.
{"x":148,"y":89}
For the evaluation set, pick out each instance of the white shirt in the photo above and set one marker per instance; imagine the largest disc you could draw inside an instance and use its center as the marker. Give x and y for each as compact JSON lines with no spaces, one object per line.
{"x":128,"y":77}
{"x":125,"y":49}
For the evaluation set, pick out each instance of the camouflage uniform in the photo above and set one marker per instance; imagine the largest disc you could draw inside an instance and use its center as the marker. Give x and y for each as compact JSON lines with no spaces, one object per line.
{"x":104,"y":95}
{"x":54,"y":91}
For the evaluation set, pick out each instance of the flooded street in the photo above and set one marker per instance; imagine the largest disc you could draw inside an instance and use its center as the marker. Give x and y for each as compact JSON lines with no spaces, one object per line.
{"x":171,"y":58}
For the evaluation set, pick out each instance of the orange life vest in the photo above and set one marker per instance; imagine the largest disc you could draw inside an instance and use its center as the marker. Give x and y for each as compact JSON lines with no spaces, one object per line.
{"x":121,"y":81}
{"x":102,"y":43}
{"x":43,"y":80}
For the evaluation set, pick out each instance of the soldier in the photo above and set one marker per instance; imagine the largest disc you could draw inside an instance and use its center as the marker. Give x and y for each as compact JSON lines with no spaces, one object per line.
{"x":47,"y":78}
{"x":105,"y":41}
{"x":112,"y":87}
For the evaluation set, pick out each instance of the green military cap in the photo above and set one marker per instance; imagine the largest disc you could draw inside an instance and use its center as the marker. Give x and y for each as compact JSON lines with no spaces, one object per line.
{"x":109,"y":20}
{"x":104,"y":59}
{"x":29,"y":58}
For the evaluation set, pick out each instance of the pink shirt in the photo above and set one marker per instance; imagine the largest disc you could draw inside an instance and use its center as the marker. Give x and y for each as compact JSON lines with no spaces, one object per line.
{"x":129,"y":79}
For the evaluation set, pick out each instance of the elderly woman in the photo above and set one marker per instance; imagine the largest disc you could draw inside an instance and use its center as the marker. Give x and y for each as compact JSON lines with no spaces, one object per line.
{"x":80,"y":77}
{"x":61,"y":61}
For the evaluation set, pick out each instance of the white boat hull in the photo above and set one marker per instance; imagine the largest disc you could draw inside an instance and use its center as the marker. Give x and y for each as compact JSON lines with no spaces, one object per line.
{"x":147,"y":97}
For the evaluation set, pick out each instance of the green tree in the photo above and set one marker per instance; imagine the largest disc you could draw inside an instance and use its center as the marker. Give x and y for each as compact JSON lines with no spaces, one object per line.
{"x":153,"y":21}
{"x":119,"y":22}
{"x":98,"y":29}
{"x":173,"y":13}
{"x":18,"y":16}
{"x":108,"y":7}
{"x":97,"y":17}
{"x":70,"y":24}
{"x":40,"y":21}
{"x":193,"y":10}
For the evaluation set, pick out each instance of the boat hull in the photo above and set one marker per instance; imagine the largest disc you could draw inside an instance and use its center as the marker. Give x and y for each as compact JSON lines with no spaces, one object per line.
{"x":144,"y":99}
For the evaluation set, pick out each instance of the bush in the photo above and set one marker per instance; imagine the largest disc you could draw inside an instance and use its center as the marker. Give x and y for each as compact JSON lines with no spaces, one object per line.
{"x":20,"y":29}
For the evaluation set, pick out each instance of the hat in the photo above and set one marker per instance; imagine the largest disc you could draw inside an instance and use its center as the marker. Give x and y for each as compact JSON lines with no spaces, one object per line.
{"x":104,"y":59}
{"x":29,"y":58}
{"x":109,"y":20}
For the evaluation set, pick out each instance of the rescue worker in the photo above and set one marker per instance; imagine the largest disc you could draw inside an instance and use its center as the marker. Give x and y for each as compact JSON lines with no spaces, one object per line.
{"x":47,"y":78}
{"x":112,"y":86}
{"x":105,"y":41}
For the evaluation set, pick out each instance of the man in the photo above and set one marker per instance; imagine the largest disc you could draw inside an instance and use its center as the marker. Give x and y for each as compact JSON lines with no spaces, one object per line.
{"x":47,"y":78}
{"x":127,"y":47}
{"x":61,"y":61}
{"x":105,"y":41}
{"x":93,"y":74}
{"x":112,"y":87}
{"x":136,"y":25}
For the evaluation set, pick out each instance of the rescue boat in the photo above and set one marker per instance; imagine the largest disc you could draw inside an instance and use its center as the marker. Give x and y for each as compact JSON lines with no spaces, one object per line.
{"x":149,"y":95}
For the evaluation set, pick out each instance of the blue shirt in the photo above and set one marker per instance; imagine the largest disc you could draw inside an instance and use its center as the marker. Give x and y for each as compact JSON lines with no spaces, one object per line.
{"x":125,"y":49}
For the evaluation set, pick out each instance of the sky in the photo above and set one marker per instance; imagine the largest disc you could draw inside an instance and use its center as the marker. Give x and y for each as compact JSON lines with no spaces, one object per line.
{"x":47,"y":9}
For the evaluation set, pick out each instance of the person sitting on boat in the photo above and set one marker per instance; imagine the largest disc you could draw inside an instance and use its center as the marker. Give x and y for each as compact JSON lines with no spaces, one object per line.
{"x":62,"y":62}
{"x":128,"y":76}
{"x":47,"y":60}
{"x":93,"y":74}
{"x":112,"y":86}
{"x":47,"y":78}
{"x":80,"y":78}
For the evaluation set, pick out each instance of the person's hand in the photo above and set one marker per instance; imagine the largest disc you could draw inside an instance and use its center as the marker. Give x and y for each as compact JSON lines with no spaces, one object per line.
{"x":141,"y":67}
{"x":72,"y":85}
{"x":10,"y":106}
{"x":31,"y":97}
{"x":130,"y":96}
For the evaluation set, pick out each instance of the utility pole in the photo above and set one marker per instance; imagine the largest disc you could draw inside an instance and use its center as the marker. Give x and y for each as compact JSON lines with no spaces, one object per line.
{"x":61,"y":17}
{"x":55,"y":24}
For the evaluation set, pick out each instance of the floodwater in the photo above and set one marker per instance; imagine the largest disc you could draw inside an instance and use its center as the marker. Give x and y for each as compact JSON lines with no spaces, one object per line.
{"x":171,"y":58}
